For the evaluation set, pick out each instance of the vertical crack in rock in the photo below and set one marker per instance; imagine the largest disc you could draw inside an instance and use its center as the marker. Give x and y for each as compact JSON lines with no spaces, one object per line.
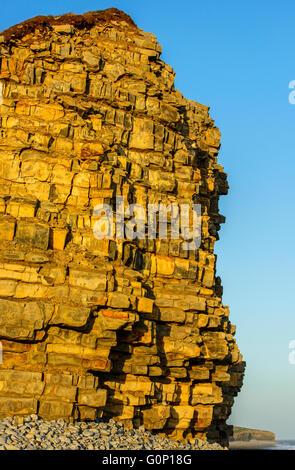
{"x":130,"y":329}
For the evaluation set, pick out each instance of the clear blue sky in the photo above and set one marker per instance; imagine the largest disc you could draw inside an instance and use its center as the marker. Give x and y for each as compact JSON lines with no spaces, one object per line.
{"x":238,"y":58}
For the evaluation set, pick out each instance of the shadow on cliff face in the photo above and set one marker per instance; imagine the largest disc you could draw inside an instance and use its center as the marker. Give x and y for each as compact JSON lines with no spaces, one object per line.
{"x":121,"y":355}
{"x":207,"y":165}
{"x":125,"y":362}
{"x":217,"y":431}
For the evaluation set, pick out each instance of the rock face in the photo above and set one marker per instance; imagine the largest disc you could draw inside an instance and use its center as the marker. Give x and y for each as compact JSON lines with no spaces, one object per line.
{"x":247,"y":434}
{"x":129,"y":329}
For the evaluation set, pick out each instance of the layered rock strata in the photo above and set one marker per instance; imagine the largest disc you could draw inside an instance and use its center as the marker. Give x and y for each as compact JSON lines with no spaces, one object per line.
{"x":129,"y":329}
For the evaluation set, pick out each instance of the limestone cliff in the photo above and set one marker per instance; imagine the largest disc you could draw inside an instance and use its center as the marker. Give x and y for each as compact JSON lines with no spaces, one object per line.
{"x":130,"y":329}
{"x":248,"y":434}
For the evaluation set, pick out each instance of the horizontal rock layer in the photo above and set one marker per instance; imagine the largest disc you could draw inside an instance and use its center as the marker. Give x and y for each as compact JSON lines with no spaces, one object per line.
{"x":248,"y":434}
{"x":129,"y":329}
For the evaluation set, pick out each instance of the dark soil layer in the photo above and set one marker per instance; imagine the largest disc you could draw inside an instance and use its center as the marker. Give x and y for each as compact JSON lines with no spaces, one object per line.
{"x":85,"y":21}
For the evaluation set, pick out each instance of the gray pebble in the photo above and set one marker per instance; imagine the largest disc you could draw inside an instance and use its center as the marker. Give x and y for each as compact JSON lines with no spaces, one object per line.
{"x":32,"y":433}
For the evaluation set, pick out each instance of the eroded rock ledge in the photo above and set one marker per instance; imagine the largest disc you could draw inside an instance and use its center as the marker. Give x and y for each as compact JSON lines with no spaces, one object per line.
{"x":134,"y":330}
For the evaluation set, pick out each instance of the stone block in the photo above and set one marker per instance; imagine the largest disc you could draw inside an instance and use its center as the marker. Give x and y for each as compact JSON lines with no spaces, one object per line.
{"x":118,"y":300}
{"x":11,"y":406}
{"x":145,"y":305}
{"x":69,"y":316}
{"x":202,"y":417}
{"x":87,"y":279}
{"x":34,"y":234}
{"x":63,"y":28}
{"x":156,"y":417}
{"x":95,"y":398}
{"x":180,"y":417}
{"x":59,"y":237}
{"x":7,"y":229}
{"x":50,"y":409}
{"x":165,"y":266}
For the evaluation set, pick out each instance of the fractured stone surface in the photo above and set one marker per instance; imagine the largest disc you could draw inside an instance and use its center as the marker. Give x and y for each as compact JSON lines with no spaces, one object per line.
{"x":133,"y":330}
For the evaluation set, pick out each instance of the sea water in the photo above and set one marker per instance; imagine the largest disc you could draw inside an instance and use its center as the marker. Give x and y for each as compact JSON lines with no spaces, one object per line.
{"x":283,"y":445}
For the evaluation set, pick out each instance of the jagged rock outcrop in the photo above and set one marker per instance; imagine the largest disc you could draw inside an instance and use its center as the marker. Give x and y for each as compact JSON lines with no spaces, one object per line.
{"x":130,"y":329}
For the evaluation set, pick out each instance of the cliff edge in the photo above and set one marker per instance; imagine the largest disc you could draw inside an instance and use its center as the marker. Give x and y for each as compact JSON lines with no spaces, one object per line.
{"x":128,"y":328}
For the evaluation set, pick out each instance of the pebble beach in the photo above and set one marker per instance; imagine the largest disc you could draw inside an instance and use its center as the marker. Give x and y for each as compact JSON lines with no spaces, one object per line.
{"x":36,"y":434}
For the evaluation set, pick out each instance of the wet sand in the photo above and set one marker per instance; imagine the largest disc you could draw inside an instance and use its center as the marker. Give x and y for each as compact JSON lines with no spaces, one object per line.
{"x":244,"y":445}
